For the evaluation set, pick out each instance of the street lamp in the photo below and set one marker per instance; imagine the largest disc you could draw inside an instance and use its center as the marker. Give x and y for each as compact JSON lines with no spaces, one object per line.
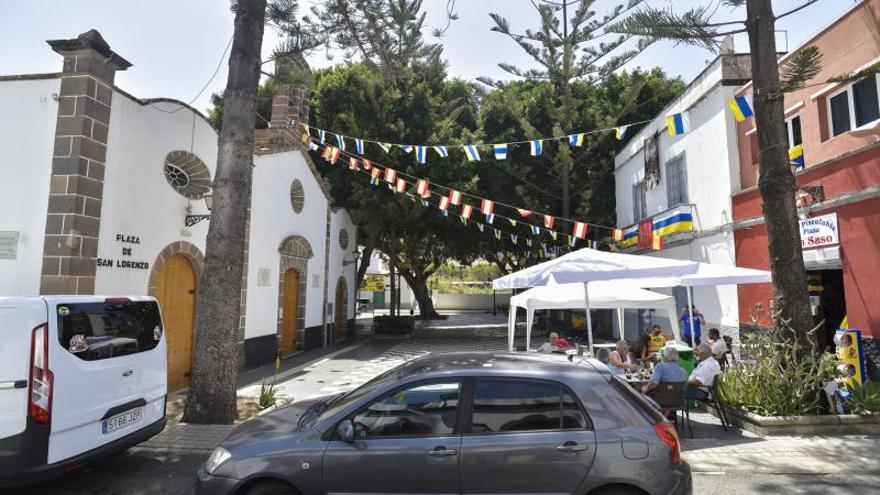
{"x":191,"y":220}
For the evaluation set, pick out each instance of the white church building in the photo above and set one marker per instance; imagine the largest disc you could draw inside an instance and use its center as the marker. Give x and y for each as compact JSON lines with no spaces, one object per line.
{"x":106,"y":193}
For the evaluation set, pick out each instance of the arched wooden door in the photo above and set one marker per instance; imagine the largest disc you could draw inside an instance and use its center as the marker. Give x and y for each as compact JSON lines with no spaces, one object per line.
{"x":289,"y":311}
{"x":341,"y":308}
{"x":176,"y":292}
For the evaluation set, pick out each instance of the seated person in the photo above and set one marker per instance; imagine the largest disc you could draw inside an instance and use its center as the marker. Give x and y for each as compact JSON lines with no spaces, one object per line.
{"x":667,"y":371}
{"x":719,"y":346}
{"x":703,"y":377}
{"x":620,"y":360}
{"x":553,"y":345}
{"x":655,"y":342}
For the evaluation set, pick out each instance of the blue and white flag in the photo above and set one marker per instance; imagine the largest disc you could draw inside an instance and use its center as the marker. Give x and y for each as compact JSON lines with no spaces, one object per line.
{"x":406,"y":147}
{"x":441,"y":150}
{"x":536,"y":230}
{"x":594,"y":244}
{"x":500,"y":151}
{"x":490,"y":218}
{"x":425,"y":203}
{"x":481,"y":226}
{"x":359,"y":145}
{"x":321,"y":135}
{"x":513,"y":238}
{"x":386,"y":147}
{"x":421,"y":153}
{"x":471,"y":152}
{"x":571,"y":240}
{"x":537,"y":146}
{"x":341,"y":141}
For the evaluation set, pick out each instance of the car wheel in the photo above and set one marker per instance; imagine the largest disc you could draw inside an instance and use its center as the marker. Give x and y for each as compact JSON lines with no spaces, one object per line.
{"x":272,"y":488}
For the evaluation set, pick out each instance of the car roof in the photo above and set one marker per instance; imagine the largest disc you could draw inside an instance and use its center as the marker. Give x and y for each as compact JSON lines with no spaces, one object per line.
{"x":518,"y":364}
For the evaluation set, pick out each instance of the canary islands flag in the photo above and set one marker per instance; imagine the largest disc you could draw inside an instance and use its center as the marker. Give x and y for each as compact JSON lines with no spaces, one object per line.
{"x":576,"y":139}
{"x":740,"y":108}
{"x":676,"y":124}
{"x":796,"y":156}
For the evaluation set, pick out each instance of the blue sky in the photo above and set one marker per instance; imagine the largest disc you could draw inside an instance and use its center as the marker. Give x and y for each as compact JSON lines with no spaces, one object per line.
{"x":175,"y":45}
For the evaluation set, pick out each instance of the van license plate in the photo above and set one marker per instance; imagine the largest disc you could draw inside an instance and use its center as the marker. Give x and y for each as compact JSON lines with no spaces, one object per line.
{"x":123,"y":420}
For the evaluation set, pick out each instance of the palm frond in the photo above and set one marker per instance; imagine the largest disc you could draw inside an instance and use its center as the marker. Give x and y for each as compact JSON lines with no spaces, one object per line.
{"x":803,"y":66}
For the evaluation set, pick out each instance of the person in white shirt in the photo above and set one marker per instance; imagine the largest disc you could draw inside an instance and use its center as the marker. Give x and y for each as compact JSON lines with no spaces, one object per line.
{"x":552,"y":346}
{"x":719,"y":346}
{"x":703,"y":376}
{"x":620,"y":360}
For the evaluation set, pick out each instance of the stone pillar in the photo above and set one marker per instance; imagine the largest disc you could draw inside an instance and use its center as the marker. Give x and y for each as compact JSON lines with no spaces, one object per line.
{"x":77,"y":183}
{"x":291,"y":99}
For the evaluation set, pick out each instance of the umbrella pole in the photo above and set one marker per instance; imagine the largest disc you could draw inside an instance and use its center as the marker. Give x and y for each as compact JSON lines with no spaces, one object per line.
{"x":691,"y":313}
{"x":589,"y":320}
{"x":620,"y":330}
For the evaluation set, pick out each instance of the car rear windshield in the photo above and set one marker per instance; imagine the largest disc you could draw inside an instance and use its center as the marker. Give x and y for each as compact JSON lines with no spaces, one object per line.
{"x":637,"y":400}
{"x":104,"y":330}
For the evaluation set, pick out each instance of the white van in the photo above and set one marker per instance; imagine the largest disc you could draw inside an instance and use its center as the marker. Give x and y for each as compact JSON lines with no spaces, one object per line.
{"x":81,"y":377}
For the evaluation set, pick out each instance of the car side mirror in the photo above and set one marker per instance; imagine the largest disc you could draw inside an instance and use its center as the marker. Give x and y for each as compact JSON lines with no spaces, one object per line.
{"x":345,"y":430}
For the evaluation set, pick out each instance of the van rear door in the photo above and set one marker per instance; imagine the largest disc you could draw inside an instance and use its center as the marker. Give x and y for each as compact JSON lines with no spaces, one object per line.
{"x":18,"y":319}
{"x":109,"y":362}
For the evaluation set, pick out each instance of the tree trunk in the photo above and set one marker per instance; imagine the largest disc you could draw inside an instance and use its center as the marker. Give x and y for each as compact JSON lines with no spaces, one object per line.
{"x":777,"y":183}
{"x":211,"y":397}
{"x":394,"y":288}
{"x":366,"y":254}
{"x":422,"y":293}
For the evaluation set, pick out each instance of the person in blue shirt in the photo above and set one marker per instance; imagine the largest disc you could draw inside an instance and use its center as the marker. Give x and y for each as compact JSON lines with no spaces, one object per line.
{"x":667,"y":371}
{"x":685,"y":319}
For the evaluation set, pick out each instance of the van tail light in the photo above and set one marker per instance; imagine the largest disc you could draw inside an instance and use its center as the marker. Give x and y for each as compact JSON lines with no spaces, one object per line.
{"x":117,"y":300}
{"x":667,"y":434}
{"x":40,"y":391}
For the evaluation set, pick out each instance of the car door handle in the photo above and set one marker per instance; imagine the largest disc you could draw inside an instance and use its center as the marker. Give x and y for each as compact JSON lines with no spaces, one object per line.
{"x":441,"y":452}
{"x":571,"y":447}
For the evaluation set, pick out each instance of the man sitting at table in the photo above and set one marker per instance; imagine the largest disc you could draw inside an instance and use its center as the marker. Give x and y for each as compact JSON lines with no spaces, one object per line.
{"x":620,"y":360}
{"x":667,"y":371}
{"x":555,"y":344}
{"x":719,"y":346}
{"x":703,"y":377}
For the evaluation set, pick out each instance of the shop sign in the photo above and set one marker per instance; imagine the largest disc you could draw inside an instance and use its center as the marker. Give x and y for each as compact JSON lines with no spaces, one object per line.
{"x":373,"y":283}
{"x":9,"y":245}
{"x":819,"y":231}
{"x":127,"y":244}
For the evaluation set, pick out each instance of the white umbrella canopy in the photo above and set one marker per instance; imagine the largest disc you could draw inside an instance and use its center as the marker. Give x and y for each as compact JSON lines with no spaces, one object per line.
{"x":590,"y":265}
{"x":603,"y":295}
{"x":706,"y":274}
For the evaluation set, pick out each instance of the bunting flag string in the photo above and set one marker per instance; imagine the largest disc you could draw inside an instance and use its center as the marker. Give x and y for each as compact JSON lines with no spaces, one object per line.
{"x":501,"y":150}
{"x":740,"y":108}
{"x":397,"y":182}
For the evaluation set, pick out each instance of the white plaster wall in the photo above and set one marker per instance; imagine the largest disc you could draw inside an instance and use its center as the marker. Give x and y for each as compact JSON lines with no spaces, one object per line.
{"x":272,"y":221}
{"x":719,"y":304}
{"x":709,"y":147}
{"x":340,"y":219}
{"x":27,"y":138}
{"x":138,"y":201}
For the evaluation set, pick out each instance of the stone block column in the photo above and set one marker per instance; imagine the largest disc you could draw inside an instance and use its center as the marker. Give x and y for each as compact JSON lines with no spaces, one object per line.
{"x":291,"y":98}
{"x":73,"y":217}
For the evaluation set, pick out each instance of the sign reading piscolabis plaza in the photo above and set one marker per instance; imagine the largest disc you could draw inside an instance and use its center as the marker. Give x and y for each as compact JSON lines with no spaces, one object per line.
{"x":819,"y":231}
{"x":373,"y":283}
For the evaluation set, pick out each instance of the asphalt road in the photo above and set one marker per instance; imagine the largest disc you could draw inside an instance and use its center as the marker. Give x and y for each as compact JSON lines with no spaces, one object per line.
{"x":154,"y":472}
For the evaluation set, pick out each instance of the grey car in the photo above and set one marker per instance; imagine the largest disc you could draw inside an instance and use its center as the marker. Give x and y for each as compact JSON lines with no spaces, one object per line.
{"x":464,"y":423}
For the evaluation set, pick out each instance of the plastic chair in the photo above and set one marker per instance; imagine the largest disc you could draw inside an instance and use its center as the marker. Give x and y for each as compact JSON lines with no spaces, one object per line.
{"x":712,"y":401}
{"x":668,"y":396}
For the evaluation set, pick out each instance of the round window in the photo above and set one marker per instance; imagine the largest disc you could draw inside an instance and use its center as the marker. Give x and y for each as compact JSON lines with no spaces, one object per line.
{"x":343,"y":239}
{"x":187,"y":174}
{"x":297,"y":196}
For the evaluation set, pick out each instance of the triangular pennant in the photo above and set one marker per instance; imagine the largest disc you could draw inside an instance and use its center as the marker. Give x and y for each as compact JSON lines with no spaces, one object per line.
{"x":353,"y":163}
{"x":512,"y":222}
{"x":441,"y":150}
{"x":497,"y":234}
{"x":490,"y":218}
{"x":548,"y":221}
{"x":524,"y":213}
{"x":481,"y":226}
{"x":386,"y":147}
{"x":367,"y":164}
{"x":341,"y":140}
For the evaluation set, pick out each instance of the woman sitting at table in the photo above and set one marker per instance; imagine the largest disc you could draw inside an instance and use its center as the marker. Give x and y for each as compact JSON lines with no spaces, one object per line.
{"x":620,"y":360}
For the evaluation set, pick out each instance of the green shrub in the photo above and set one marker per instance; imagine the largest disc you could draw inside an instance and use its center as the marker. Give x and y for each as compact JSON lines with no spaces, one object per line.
{"x":268,"y":395}
{"x":865,"y":398}
{"x":781,"y":377}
